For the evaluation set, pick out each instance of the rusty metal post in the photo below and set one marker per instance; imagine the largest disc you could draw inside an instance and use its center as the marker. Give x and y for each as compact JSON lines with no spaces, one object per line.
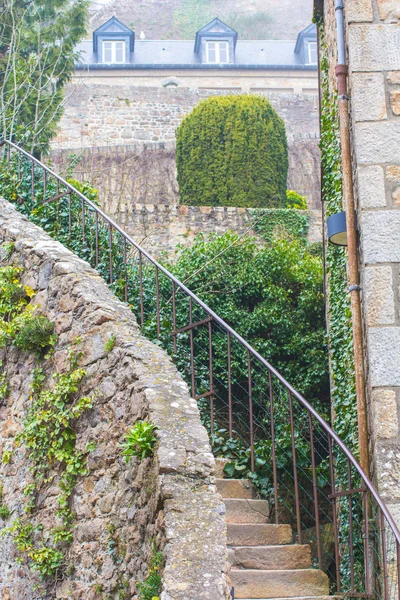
{"x":352,"y":246}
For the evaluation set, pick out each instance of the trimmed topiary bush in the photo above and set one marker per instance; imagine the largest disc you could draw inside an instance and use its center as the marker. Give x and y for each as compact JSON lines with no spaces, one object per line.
{"x":232,"y":151}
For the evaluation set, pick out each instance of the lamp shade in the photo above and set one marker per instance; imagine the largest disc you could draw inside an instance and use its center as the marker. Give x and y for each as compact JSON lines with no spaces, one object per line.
{"x":337,"y":231}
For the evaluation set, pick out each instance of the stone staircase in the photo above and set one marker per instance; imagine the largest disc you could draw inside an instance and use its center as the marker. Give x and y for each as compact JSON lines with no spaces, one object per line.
{"x":264,"y":561}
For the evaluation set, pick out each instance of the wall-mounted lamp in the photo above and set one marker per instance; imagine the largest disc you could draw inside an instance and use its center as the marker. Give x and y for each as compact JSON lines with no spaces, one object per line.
{"x":337,"y":230}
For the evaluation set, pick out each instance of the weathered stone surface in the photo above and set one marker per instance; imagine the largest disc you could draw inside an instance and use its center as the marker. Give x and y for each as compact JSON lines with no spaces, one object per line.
{"x":396,"y":197}
{"x":387,"y":460}
{"x":379,"y":295}
{"x":380,"y":236}
{"x":374,"y":47}
{"x":385,"y":413}
{"x":246,"y":511}
{"x":393,"y":77}
{"x":235,"y":488}
{"x":377,"y":142}
{"x":258,"y":534}
{"x":135,"y":380}
{"x":371,"y":187}
{"x":395,"y":101}
{"x":272,"y":557}
{"x":279,"y":584}
{"x":384,"y":351}
{"x":389,"y":10}
{"x":368,"y":96}
{"x":393,"y":173}
{"x":358,"y":11}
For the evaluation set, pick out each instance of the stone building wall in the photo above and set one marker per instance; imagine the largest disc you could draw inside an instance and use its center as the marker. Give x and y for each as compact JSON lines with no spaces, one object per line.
{"x":169,"y":499}
{"x":373,"y":39}
{"x":125,"y":139}
{"x":160,"y":228}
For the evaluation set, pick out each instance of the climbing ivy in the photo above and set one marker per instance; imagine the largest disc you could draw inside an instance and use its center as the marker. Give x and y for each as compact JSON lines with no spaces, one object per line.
{"x":280,"y":222}
{"x":343,"y":393}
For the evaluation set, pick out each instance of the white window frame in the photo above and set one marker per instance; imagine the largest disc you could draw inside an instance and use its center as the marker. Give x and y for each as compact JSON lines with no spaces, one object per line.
{"x":218,"y":60}
{"x":113,"y":60}
{"x":312,"y":48}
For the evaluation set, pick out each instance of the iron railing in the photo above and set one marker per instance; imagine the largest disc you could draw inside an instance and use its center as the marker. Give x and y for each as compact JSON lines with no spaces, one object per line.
{"x":311,"y":478}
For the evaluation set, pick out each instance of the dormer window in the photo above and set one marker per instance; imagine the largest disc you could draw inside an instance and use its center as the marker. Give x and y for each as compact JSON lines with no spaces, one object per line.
{"x":113,"y":52}
{"x":217,"y":52}
{"x":312,"y":53}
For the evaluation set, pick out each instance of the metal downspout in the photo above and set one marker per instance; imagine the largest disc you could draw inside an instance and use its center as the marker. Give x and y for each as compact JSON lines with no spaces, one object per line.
{"x":349,"y":206}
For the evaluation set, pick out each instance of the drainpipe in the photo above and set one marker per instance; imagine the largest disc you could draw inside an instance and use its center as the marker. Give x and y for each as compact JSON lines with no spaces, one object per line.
{"x":349,"y":205}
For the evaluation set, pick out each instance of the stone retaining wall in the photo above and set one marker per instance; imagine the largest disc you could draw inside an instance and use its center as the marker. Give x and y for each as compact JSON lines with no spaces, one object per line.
{"x":160,"y":228}
{"x":169,"y":499}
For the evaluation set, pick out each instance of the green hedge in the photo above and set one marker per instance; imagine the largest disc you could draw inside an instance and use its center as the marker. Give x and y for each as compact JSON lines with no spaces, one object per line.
{"x":232,"y":151}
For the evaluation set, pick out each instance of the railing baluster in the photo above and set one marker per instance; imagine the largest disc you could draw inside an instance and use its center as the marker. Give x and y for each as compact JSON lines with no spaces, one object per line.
{"x":251,"y":415}
{"x":125,"y":270}
{"x":295,"y":476}
{"x":19,"y":166}
{"x":83,"y":223}
{"x":191,"y":348}
{"x":366,"y":544}
{"x":158,"y":304}
{"x":33,"y":181}
{"x":70,"y":214}
{"x":230,"y":410}
{"x":315,"y":491}
{"x":174,"y":317}
{"x":334,"y":516}
{"x":384,"y":556}
{"x":44,"y":184}
{"x":351,"y":541}
{"x":210,"y":355}
{"x":398,"y":567}
{"x":141,"y":289}
{"x":274,"y":469}
{"x":110,"y":245}
{"x":96,"y":233}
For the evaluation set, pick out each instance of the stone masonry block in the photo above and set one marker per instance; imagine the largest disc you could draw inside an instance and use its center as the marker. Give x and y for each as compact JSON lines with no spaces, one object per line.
{"x":395,"y":101}
{"x":358,"y":11}
{"x":380,"y":236}
{"x":389,"y":9}
{"x":384,"y":408}
{"x":384,"y":352}
{"x":378,"y":142}
{"x":379,"y":296}
{"x":371,"y":187}
{"x":374,"y":47}
{"x":394,"y":77}
{"x":368,"y":95}
{"x":393,"y":173}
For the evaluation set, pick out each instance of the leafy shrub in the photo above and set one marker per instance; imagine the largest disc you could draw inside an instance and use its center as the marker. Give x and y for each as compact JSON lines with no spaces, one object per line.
{"x":232,"y":151}
{"x":19,"y":324}
{"x":139,"y":441}
{"x":294,"y":200}
{"x":150,"y":589}
{"x":36,"y":335}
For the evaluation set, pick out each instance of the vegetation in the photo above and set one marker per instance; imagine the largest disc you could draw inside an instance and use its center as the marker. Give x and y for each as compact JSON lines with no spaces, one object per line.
{"x":139,"y":441}
{"x":37,"y":41}
{"x":19,"y":322}
{"x":295,"y":200}
{"x":232,"y":151}
{"x":150,"y":589}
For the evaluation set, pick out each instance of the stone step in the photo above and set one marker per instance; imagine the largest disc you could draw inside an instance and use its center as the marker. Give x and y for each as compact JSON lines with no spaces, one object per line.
{"x":271,"y":558}
{"x":219,"y":467}
{"x":246,"y":511}
{"x":279,"y":584}
{"x":236,"y":488}
{"x":303,"y":598}
{"x":258,"y":535}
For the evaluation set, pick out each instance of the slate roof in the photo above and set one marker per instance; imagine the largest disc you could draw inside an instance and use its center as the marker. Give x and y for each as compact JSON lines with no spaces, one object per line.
{"x":178,"y":54}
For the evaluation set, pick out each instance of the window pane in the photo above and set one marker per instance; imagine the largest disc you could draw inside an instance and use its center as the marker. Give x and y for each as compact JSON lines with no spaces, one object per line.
{"x":107,"y":55}
{"x":119,"y":52}
{"x":211,"y":55}
{"x":312,"y":53}
{"x":223,"y":52}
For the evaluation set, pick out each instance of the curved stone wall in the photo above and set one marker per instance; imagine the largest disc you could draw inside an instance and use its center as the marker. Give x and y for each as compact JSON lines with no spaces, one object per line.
{"x":169,"y":499}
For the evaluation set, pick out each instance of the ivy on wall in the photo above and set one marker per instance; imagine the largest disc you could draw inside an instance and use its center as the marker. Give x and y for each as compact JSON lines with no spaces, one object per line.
{"x":344,"y":404}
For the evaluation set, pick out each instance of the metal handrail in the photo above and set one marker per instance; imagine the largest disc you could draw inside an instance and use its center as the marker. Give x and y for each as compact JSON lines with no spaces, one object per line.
{"x":368,"y":486}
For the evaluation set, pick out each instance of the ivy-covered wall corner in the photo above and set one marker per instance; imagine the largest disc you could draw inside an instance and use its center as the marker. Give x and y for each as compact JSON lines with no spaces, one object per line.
{"x":340,"y":336}
{"x":86,"y":510}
